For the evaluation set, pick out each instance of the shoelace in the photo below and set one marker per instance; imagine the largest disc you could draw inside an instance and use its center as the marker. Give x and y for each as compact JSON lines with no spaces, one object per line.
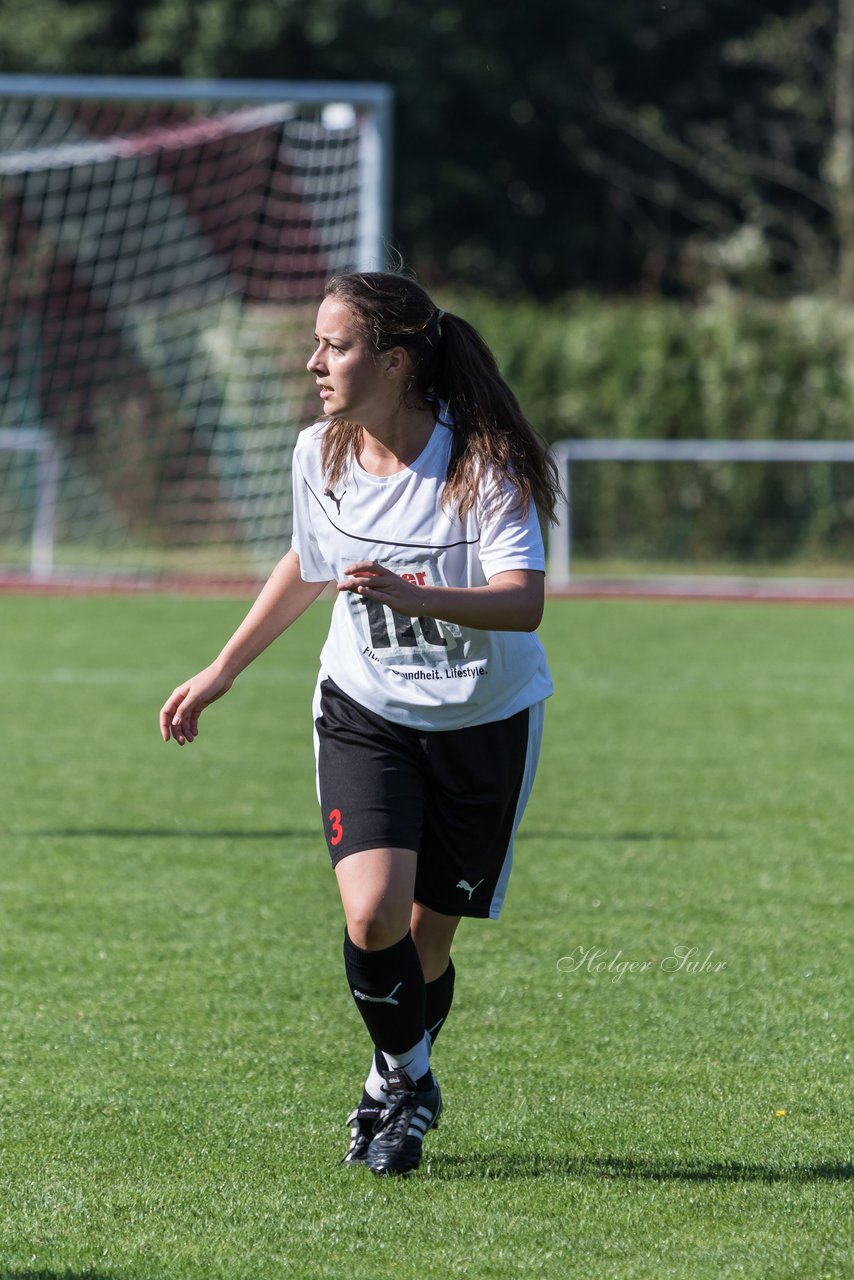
{"x":395,"y":1118}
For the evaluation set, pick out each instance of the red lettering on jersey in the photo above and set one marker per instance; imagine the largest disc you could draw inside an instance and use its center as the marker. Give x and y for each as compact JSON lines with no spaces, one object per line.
{"x":409,"y":577}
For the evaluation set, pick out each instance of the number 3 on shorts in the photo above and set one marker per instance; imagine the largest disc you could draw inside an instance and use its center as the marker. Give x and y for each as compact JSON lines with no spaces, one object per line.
{"x":337,"y":829}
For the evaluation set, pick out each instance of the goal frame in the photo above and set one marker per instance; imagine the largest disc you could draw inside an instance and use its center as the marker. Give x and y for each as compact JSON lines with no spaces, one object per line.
{"x":374,"y":103}
{"x":33,"y":440}
{"x":375,"y":100}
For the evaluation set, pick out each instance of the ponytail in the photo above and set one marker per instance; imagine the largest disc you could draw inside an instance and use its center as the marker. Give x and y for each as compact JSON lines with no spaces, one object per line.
{"x":491,"y":433}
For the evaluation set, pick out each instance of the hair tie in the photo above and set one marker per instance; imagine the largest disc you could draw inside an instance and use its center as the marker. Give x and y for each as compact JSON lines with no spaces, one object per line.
{"x":440,"y":315}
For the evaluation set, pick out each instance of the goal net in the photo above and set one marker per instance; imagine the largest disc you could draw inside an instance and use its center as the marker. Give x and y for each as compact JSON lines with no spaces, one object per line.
{"x":163,"y":246}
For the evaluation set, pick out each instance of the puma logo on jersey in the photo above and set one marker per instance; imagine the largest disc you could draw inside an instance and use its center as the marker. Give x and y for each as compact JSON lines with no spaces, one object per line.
{"x":469,"y":888}
{"x":327,"y":493}
{"x":360,"y":995}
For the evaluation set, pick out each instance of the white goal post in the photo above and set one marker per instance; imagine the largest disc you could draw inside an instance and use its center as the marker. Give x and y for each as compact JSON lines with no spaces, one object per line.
{"x":568,"y":453}
{"x":163,"y":247}
{"x":31,"y":440}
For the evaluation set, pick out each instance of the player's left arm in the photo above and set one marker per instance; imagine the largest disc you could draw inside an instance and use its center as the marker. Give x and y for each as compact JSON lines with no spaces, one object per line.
{"x":510,"y":601}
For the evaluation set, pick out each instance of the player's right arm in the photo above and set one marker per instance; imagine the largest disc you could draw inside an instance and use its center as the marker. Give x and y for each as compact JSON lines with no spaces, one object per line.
{"x":283,"y":598}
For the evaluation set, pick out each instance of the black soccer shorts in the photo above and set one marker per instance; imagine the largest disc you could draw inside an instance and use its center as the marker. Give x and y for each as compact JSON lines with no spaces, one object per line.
{"x":454,"y":796}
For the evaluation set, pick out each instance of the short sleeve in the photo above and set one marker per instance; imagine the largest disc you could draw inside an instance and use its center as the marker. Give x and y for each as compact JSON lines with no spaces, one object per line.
{"x":509,"y":538}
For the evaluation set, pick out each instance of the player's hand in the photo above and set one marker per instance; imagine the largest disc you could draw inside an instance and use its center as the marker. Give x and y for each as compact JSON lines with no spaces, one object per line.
{"x":370,"y":579}
{"x":179,"y":715}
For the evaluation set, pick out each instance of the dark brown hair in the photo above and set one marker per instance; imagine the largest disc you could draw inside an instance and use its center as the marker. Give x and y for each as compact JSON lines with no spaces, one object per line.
{"x":451,"y":363}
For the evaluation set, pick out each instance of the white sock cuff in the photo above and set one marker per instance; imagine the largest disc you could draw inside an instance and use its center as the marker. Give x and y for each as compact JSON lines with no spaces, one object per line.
{"x":415,"y":1061}
{"x":375,"y":1085}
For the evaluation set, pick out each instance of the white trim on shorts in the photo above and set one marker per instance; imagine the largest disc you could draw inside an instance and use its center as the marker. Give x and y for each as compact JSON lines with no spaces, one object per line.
{"x":536,"y":719}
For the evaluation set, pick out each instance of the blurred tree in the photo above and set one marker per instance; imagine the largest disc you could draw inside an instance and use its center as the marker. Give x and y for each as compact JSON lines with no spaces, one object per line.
{"x":546,"y":146}
{"x":486,"y":193}
{"x":48,"y":36}
{"x":741,"y":166}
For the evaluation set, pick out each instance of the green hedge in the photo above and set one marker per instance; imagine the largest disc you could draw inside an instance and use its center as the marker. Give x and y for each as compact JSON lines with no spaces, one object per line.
{"x":735,"y":368}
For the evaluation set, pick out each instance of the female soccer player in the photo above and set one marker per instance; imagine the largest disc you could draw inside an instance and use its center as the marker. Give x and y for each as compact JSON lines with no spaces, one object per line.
{"x":418,"y":495}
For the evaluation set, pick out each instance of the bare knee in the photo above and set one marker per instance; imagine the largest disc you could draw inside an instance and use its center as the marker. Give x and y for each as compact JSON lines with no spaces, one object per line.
{"x":433,"y":935}
{"x":376,"y":926}
{"x":376,"y":887}
{"x":434,"y":960}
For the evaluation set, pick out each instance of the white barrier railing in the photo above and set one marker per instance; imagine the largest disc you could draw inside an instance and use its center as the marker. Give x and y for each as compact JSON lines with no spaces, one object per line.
{"x":567,"y":452}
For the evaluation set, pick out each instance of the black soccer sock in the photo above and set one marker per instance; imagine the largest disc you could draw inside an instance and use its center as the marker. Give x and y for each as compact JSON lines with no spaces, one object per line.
{"x":438,"y":998}
{"x":388,"y":988}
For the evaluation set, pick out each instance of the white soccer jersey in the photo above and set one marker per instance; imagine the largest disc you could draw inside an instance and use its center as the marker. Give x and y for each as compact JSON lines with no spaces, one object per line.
{"x":417,"y":671}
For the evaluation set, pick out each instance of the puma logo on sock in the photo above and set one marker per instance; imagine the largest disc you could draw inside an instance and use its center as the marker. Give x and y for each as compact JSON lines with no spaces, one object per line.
{"x":360,"y":995}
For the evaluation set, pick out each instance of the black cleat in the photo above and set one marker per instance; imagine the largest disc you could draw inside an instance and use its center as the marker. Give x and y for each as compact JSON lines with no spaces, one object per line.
{"x":362,"y":1123}
{"x":399,"y":1132}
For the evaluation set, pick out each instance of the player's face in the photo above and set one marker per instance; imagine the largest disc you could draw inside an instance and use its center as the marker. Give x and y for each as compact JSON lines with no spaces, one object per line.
{"x":350,"y":378}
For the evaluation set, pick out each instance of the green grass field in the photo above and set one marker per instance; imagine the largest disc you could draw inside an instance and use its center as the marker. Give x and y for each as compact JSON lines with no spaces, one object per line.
{"x":179,"y":1049}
